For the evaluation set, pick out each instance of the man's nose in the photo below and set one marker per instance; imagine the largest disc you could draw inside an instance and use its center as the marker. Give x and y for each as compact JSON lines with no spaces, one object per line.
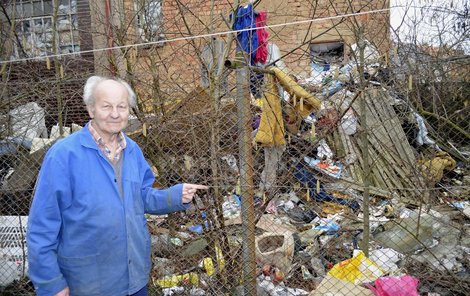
{"x":114,"y":113}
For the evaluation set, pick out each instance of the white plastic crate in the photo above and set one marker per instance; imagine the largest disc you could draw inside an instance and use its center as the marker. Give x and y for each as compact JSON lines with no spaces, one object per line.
{"x":13,"y":251}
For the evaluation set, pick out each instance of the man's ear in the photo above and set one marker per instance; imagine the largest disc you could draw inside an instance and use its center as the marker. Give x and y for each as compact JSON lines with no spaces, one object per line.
{"x":91,"y":111}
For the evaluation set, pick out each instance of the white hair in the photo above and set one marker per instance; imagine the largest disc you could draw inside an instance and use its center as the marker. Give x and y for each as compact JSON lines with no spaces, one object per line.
{"x":93,"y":81}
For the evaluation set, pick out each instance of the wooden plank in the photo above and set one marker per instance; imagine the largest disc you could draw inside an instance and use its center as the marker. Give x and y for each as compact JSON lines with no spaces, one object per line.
{"x":390,"y":160}
{"x":383,"y":171}
{"x":396,"y":131}
{"x":393,"y":180}
{"x":393,"y":170}
{"x":349,"y":183}
{"x":348,"y":148}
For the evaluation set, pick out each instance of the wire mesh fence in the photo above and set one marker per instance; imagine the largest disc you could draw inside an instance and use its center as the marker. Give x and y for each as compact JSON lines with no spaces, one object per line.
{"x":338,"y":165}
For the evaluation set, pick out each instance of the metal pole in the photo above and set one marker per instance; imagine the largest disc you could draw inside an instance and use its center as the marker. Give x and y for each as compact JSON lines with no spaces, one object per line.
{"x":365,"y":143}
{"x":246,"y":181}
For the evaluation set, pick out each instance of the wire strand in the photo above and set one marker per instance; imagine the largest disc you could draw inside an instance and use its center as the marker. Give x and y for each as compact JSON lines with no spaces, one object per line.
{"x":161,"y":42}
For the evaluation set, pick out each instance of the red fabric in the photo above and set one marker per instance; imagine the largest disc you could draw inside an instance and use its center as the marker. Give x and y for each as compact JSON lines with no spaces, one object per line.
{"x":262,"y":51}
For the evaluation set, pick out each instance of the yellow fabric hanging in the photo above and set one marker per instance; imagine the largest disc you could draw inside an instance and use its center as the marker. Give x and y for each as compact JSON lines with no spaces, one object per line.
{"x":271,"y":126}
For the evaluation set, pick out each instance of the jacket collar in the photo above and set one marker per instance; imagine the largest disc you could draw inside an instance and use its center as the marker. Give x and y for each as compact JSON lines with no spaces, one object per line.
{"x":86,"y":139}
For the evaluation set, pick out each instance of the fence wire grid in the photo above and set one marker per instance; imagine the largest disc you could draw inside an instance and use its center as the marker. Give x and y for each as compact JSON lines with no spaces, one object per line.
{"x":337,"y":161}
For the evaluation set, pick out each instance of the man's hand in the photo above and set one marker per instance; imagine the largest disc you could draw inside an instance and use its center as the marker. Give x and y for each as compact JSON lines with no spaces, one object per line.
{"x":189,"y":190}
{"x":64,"y":292}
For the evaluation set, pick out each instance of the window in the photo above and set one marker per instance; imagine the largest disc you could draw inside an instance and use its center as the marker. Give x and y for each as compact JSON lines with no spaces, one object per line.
{"x":327,"y":52}
{"x":326,"y":58}
{"x":33,"y":22}
{"x":149,"y":20}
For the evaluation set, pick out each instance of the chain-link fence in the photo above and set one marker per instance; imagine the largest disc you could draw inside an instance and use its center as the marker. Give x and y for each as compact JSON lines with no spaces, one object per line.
{"x":337,"y":160}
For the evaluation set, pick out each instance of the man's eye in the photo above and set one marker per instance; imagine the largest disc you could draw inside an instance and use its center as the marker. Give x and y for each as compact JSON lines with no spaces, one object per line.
{"x":122,"y":107}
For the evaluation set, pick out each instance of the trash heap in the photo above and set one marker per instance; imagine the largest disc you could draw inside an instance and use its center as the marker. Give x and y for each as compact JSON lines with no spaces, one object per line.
{"x":312,"y":136}
{"x":309,"y":176}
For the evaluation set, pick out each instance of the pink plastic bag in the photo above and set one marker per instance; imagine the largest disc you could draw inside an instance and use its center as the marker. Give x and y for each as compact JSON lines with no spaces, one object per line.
{"x":396,"y":286}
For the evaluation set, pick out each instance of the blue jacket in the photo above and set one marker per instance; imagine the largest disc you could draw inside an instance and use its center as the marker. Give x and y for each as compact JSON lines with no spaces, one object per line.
{"x":81,"y":234}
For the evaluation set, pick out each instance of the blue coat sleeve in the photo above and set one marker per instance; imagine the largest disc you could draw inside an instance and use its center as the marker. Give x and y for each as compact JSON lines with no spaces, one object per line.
{"x":44,"y":224}
{"x":160,"y":201}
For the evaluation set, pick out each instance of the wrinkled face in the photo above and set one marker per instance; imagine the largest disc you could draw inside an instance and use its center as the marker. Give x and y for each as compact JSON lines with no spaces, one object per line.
{"x":110,"y":111}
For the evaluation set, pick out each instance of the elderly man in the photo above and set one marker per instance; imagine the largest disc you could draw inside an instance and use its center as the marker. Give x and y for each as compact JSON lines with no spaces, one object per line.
{"x":87,"y":233}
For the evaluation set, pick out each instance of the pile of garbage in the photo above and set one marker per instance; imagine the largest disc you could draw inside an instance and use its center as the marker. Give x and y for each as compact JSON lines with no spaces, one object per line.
{"x":319,"y":140}
{"x":302,"y":251}
{"x":309,"y":203}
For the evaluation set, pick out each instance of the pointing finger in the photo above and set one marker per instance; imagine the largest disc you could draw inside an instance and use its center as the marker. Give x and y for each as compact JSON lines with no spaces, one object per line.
{"x":197,"y":186}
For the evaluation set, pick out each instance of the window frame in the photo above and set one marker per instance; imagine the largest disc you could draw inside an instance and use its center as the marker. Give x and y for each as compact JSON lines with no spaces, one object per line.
{"x":35,"y":35}
{"x":142,"y":19}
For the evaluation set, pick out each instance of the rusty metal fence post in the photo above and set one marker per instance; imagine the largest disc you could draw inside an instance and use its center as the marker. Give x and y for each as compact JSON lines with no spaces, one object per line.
{"x":246,"y":180}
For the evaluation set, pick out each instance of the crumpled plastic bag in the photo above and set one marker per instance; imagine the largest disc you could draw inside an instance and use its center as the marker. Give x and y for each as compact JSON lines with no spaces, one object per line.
{"x":405,"y":285}
{"x":178,"y":279}
{"x":356,"y":270}
{"x":349,"y":122}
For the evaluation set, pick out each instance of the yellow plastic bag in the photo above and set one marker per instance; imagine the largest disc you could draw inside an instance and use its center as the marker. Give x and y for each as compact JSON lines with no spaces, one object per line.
{"x":209,"y":264}
{"x":356,"y":270}
{"x":177,"y":279}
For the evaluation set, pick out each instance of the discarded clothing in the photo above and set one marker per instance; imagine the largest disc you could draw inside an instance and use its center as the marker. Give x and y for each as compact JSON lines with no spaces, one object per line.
{"x":434,"y":169}
{"x":247,"y":40}
{"x":274,"y":57}
{"x":272,"y":157}
{"x":256,"y":84}
{"x":262,"y":50}
{"x":304,"y":177}
{"x":271,"y":127}
{"x":210,"y":63}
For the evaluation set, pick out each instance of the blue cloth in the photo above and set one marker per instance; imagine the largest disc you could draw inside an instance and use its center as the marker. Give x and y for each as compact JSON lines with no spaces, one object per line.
{"x":247,"y":40}
{"x":256,"y":84}
{"x":305,"y":177}
{"x":81,"y":233}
